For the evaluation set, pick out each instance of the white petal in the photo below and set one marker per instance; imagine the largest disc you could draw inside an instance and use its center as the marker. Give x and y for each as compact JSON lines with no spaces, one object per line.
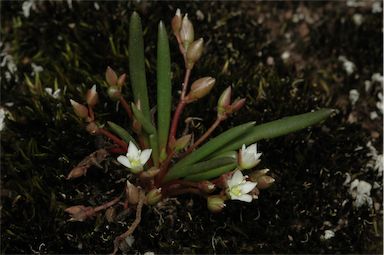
{"x":247,"y":187}
{"x":252,"y":148}
{"x":236,"y":179}
{"x":133,"y":152}
{"x":245,"y":198}
{"x":124,"y":161}
{"x":145,"y":155}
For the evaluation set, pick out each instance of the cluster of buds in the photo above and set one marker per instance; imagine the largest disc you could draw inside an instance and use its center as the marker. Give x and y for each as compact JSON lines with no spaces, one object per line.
{"x":85,"y":113}
{"x":115,"y":83}
{"x":183,"y":30}
{"x":224,"y":105}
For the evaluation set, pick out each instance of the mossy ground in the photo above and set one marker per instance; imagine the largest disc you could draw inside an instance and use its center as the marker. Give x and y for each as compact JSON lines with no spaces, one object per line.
{"x":74,"y":45}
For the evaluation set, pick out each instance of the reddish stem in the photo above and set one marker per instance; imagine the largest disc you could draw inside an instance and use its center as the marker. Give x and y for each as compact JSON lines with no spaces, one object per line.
{"x":179,"y":109}
{"x":106,"y":205}
{"x":126,"y":107}
{"x":114,"y":138}
{"x":163,"y":169}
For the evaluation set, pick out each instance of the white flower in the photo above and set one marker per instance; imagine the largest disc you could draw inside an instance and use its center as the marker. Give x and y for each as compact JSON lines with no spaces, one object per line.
{"x":135,"y":159}
{"x":238,"y":187}
{"x":248,"y":157}
{"x":55,"y":94}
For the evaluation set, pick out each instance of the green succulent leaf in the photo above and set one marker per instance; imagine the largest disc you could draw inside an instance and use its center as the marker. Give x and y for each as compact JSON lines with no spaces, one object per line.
{"x":146,"y":124}
{"x":210,"y":174}
{"x":121,"y":132}
{"x":186,"y":170}
{"x":155,"y":148}
{"x":276,"y":128}
{"x":137,"y":64}
{"x":164,"y":87}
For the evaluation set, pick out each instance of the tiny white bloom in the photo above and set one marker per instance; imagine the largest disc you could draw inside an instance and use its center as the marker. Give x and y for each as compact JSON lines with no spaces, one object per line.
{"x":135,"y":158}
{"x":238,"y":187}
{"x":248,"y":157}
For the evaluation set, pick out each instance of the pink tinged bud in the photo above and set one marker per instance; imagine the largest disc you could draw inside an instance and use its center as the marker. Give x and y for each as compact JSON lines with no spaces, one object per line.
{"x":256,"y":174}
{"x":181,"y":143}
{"x":176,"y":24}
{"x":200,"y":88}
{"x":237,"y":105}
{"x":264,"y":182}
{"x":154,"y":196}
{"x":194,"y":52}
{"x":92,"y":128}
{"x":77,"y":172}
{"x":111,"y":76}
{"x":206,"y":186}
{"x":132,"y":193}
{"x":224,"y":101}
{"x":92,"y":97}
{"x":80,"y":110}
{"x":215,"y":203}
{"x":114,"y":93}
{"x":121,"y":80}
{"x":187,"y":34}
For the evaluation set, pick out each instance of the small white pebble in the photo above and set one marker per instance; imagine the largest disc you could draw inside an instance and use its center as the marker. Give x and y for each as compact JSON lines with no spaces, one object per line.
{"x":368,"y":85}
{"x":96,"y":5}
{"x":348,"y":66}
{"x":200,"y":15}
{"x":354,"y":96}
{"x":376,"y":7}
{"x":377,"y":77}
{"x":357,"y":19}
{"x":285,"y":56}
{"x":328,"y":234}
{"x":373,"y":115}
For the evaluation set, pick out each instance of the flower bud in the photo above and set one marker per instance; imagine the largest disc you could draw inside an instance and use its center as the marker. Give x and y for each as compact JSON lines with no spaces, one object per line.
{"x":111,"y":76}
{"x":154,"y":196}
{"x":237,"y":105}
{"x":194,"y":52}
{"x":215,"y":203}
{"x":224,"y":101}
{"x":132,"y":193}
{"x":150,"y":173}
{"x":256,"y":174}
{"x":114,"y":93}
{"x":121,"y":80}
{"x":206,"y":186}
{"x":264,"y":182}
{"x":92,"y":128}
{"x":176,"y":24}
{"x":200,"y":88}
{"x":181,"y":143}
{"x":77,"y":172}
{"x":187,"y":34}
{"x":80,"y":110}
{"x":92,"y":97}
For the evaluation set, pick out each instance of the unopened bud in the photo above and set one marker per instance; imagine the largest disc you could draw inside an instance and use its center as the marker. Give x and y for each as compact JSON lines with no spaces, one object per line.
{"x":181,"y":143}
{"x":132,"y":193}
{"x":194,"y":52}
{"x":237,"y":105}
{"x":92,"y":97}
{"x":207,"y":186}
{"x":114,"y":93}
{"x":215,"y":203}
{"x":77,"y":172}
{"x":176,"y":24}
{"x":200,"y":88}
{"x":187,"y":34}
{"x":224,"y":101}
{"x":256,"y":174}
{"x":121,"y":80}
{"x":255,"y":193}
{"x":150,"y":173}
{"x":264,"y":182}
{"x":110,"y":214}
{"x":154,"y":196}
{"x":111,"y":76}
{"x":92,"y":128}
{"x":80,"y":212}
{"x":80,"y":110}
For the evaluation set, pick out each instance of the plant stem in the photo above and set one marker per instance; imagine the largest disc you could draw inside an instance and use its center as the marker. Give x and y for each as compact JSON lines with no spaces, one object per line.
{"x":106,"y":205}
{"x":126,"y":106}
{"x":163,"y":169}
{"x":114,"y":138}
{"x":204,"y":136}
{"x":179,"y":108}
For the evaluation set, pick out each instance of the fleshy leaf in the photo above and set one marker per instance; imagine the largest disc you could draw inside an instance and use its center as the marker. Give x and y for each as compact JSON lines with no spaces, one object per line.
{"x":121,"y":132}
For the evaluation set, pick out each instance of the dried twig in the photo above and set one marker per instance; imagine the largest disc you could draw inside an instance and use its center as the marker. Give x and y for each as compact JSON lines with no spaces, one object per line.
{"x":94,"y":159}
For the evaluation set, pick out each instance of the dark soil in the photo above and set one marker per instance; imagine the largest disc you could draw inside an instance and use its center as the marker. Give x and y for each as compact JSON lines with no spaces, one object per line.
{"x":284,"y":57}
